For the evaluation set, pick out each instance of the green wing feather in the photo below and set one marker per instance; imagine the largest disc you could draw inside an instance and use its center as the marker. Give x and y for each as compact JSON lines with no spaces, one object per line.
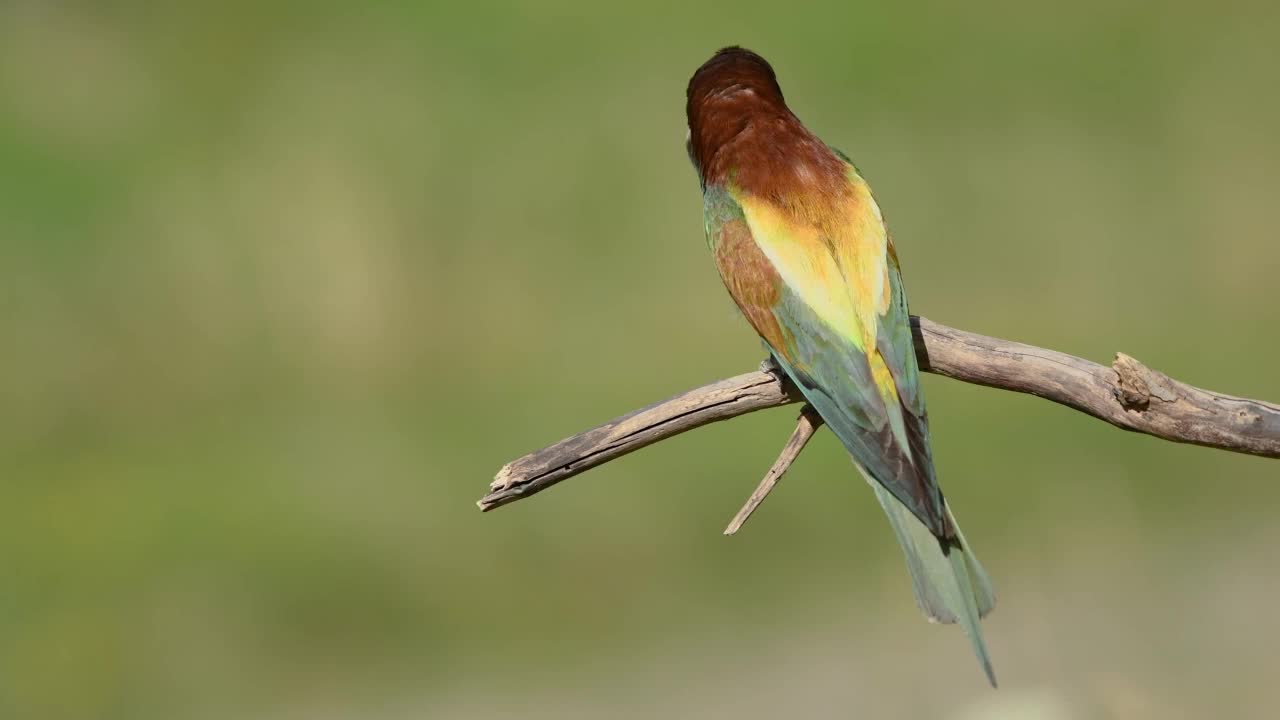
{"x":888,"y":441}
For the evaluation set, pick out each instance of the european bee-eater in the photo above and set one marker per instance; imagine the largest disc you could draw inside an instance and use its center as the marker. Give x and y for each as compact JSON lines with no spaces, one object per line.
{"x":803,"y":250}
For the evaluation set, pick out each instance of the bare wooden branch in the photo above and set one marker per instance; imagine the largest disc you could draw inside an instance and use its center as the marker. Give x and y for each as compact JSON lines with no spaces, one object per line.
{"x":1128,"y":395}
{"x":806,"y":425}
{"x":718,"y":401}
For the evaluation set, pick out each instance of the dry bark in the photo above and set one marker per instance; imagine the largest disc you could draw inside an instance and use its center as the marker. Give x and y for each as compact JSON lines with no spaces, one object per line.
{"x":1127,"y":394}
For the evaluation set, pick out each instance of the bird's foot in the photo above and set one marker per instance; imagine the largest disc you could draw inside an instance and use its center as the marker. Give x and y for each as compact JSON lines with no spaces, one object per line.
{"x":771,"y":366}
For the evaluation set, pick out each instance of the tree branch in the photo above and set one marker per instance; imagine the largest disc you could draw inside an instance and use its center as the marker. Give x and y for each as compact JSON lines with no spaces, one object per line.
{"x":806,"y":425}
{"x":1128,"y":395}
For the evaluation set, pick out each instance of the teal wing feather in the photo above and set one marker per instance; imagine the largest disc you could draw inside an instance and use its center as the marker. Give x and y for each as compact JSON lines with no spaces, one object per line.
{"x":830,"y":368}
{"x":888,"y":443}
{"x":951,"y":586}
{"x":836,"y":379}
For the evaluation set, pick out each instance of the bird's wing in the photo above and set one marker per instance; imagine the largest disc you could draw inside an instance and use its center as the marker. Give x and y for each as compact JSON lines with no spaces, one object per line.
{"x":827,"y":298}
{"x":829,"y":303}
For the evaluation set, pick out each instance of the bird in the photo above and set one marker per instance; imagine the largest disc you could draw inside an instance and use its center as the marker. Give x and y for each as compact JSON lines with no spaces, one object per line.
{"x":804,"y":252}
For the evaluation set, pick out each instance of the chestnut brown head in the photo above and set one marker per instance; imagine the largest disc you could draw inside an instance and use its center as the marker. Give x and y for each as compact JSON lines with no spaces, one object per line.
{"x":724,"y":95}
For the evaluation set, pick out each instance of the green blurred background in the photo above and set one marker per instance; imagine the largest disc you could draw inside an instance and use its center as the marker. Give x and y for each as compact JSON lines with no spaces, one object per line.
{"x":284,"y":284}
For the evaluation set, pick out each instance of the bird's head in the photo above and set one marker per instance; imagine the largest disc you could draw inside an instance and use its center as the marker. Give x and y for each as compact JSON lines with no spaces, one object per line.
{"x":724,"y":95}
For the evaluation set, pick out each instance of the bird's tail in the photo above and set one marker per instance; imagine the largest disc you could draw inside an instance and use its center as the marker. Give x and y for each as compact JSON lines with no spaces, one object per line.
{"x":950,"y":584}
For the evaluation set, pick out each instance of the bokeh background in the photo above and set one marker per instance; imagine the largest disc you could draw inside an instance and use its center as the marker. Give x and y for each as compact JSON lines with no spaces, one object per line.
{"x":283,"y":284}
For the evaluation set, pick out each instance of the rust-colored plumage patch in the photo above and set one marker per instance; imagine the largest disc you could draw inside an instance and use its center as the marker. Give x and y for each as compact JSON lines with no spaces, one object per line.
{"x":752,"y":281}
{"x":741,"y":131}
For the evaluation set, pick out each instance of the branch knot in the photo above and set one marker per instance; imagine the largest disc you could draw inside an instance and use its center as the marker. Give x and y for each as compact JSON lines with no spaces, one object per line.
{"x":1137,"y":384}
